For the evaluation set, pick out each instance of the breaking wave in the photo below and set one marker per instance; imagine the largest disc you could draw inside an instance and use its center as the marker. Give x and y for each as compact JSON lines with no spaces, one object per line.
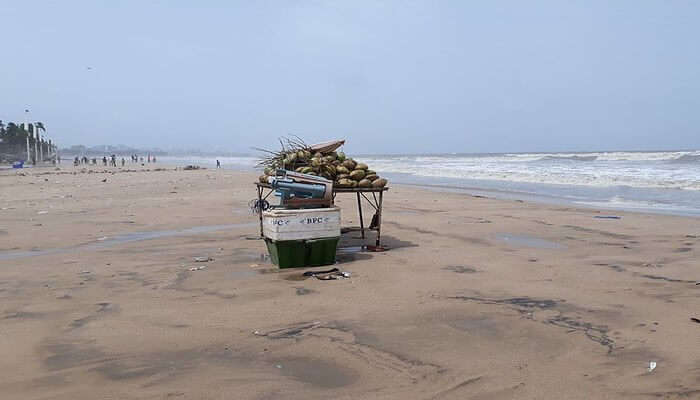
{"x":663,"y":170}
{"x":687,"y":158}
{"x":571,"y":158}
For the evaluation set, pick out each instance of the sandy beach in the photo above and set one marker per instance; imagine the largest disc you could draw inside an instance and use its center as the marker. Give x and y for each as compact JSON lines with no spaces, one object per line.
{"x":477,"y":298}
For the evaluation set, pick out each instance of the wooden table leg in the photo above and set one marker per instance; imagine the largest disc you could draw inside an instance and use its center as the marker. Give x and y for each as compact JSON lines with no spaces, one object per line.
{"x":379,"y":219}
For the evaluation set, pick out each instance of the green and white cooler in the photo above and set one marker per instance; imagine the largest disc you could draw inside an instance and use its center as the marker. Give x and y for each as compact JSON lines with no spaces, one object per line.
{"x":302,"y":237}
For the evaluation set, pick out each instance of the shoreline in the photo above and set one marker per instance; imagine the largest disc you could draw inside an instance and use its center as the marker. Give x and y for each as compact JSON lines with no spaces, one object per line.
{"x":656,"y":200}
{"x":477,"y":192}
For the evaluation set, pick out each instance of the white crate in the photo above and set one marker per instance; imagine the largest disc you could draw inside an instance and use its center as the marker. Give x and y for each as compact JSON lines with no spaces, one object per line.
{"x":310,"y":223}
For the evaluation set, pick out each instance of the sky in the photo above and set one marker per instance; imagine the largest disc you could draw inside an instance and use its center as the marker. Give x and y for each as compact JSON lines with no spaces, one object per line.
{"x":388,"y":76}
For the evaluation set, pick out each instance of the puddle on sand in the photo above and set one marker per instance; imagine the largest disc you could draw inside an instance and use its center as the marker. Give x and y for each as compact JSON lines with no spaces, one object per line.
{"x":316,"y":372}
{"x":121,"y":239}
{"x":528,"y":241}
{"x":351,"y":253}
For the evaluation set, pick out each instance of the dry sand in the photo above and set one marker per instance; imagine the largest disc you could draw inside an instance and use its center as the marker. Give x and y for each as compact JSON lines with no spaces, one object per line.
{"x":477,"y":298}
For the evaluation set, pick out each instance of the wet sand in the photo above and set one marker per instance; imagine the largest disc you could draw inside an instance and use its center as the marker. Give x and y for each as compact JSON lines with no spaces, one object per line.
{"x":476,"y":299}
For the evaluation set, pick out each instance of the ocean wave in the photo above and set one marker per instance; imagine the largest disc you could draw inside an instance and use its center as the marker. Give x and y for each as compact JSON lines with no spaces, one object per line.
{"x":592,"y":173}
{"x":686,"y":158}
{"x":535,"y":157}
{"x":570,"y":158}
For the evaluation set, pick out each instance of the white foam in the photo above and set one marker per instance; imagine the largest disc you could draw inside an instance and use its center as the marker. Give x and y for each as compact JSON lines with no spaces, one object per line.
{"x":644,"y":170}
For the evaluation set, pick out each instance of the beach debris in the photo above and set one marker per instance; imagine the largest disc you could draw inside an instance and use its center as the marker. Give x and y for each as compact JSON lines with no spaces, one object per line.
{"x":43,"y":212}
{"x":652,"y":366}
{"x":376,"y":249}
{"x":201,"y":267}
{"x":290,"y":332}
{"x":254,"y":265}
{"x":102,"y":238}
{"x":104,"y":180}
{"x":313,"y":273}
{"x":607,"y":217}
{"x":203,"y":259}
{"x":85,"y":272}
{"x":328,"y":275}
{"x":697,"y":320}
{"x":191,"y":167}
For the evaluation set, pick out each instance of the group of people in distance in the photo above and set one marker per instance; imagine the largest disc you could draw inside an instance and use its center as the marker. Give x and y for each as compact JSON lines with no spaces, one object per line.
{"x":111,"y":161}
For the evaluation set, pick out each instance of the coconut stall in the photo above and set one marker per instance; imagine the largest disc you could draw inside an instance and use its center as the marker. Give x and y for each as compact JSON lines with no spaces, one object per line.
{"x":302,"y":227}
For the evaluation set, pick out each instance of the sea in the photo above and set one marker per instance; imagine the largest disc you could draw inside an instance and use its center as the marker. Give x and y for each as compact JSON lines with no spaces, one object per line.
{"x":665,"y":182}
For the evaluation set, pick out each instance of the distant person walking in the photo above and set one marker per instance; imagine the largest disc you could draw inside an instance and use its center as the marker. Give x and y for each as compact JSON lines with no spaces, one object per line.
{"x":218,"y":164}
{"x":123,"y":161}
{"x":104,"y":161}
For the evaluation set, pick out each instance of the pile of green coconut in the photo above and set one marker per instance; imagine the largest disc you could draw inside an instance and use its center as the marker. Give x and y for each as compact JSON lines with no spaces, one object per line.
{"x":320,"y":160}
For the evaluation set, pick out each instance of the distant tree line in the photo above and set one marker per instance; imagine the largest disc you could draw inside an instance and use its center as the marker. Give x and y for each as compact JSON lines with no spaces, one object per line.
{"x":15,"y":138}
{"x":101,"y":150}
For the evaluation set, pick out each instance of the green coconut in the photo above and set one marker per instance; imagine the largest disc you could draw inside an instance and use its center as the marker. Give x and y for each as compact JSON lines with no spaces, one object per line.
{"x":345,"y":182}
{"x":365,"y":183}
{"x":357,"y":174}
{"x":349,"y":164}
{"x":379,"y":183}
{"x":341,"y":156}
{"x":341,"y":169}
{"x":361,"y":166}
{"x":372,"y":177}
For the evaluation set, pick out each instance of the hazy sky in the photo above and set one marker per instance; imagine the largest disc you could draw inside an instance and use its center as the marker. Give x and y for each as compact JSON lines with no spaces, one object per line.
{"x":404,"y":76}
